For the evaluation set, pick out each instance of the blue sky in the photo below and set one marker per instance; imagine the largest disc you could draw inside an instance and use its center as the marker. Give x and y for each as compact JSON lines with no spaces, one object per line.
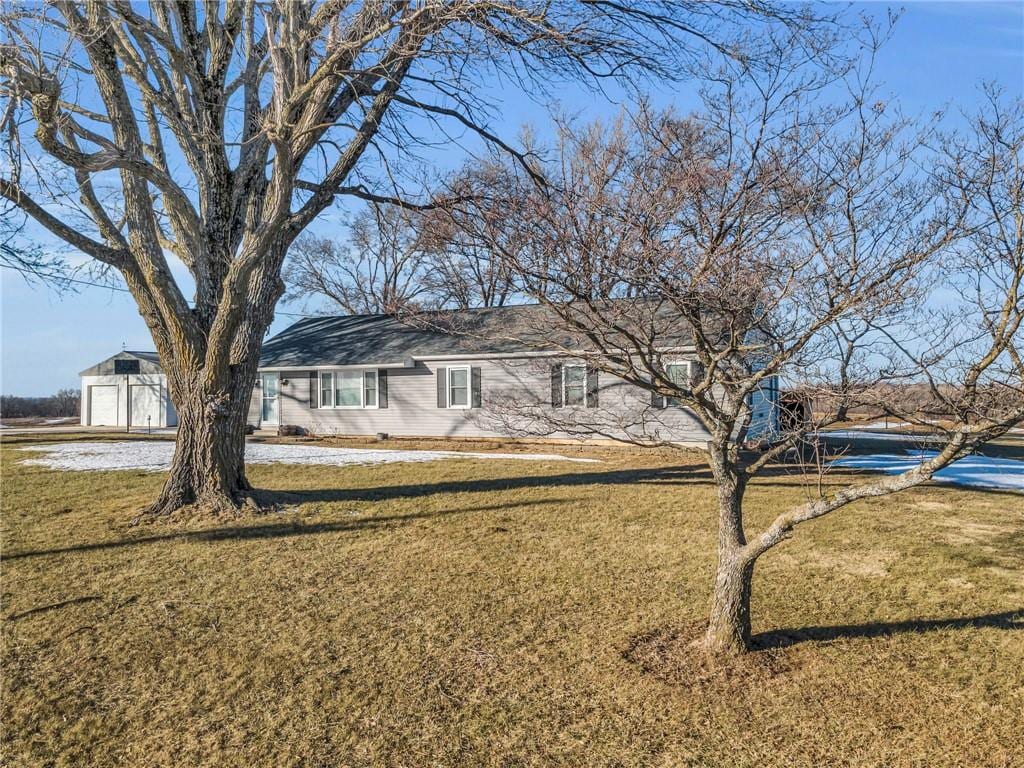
{"x":939,"y":54}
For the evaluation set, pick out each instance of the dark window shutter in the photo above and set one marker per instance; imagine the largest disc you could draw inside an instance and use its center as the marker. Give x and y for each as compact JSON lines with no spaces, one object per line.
{"x":657,"y":400}
{"x":314,"y":389}
{"x":474,"y":377}
{"x":382,"y":388}
{"x":696,"y":372}
{"x":556,"y":385}
{"x":592,"y":387}
{"x":442,"y":387}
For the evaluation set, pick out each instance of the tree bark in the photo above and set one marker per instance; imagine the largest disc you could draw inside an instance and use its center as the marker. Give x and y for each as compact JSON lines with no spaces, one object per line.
{"x":208,"y":469}
{"x":728,"y":629}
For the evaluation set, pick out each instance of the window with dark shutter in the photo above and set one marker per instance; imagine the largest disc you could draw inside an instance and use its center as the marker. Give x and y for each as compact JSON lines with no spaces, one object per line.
{"x":574,"y":385}
{"x":314,"y":384}
{"x":680,"y":375}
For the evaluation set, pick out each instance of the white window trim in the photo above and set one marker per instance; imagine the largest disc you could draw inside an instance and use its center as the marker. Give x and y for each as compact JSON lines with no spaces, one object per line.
{"x":376,"y":389}
{"x":689,"y":377}
{"x":469,"y":387}
{"x":335,"y":378}
{"x":565,"y":389}
{"x":320,"y":388}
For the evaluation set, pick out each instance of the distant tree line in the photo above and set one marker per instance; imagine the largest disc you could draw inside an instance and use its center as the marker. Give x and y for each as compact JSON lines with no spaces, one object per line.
{"x":66,"y":402}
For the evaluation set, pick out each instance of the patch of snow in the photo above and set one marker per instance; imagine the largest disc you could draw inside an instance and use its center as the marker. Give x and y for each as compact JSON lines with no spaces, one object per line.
{"x":155,"y":456}
{"x":62,"y":420}
{"x":971,"y":471}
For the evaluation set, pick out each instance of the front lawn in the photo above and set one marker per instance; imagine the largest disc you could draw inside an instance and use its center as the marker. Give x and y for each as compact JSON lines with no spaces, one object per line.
{"x":500,"y":613}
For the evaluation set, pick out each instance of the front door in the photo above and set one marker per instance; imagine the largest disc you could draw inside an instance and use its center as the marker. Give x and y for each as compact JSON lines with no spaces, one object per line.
{"x":269,"y":413}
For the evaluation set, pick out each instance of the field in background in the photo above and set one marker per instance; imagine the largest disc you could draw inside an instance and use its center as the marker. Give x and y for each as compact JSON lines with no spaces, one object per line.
{"x":501,"y":613}
{"x":55,"y":422}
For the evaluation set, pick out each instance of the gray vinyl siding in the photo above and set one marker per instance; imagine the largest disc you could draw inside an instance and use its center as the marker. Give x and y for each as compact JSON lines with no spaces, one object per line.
{"x":504,"y":384}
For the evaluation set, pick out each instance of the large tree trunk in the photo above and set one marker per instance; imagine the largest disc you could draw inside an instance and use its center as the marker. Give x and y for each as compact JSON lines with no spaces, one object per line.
{"x":728,"y":629}
{"x":208,"y":469}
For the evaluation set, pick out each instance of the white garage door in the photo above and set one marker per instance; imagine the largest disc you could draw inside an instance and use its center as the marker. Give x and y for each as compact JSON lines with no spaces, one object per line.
{"x":103,"y":405}
{"x":145,"y":400}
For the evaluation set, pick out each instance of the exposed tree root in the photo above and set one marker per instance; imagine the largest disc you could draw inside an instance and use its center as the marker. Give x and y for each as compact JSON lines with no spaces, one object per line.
{"x":211,"y":506}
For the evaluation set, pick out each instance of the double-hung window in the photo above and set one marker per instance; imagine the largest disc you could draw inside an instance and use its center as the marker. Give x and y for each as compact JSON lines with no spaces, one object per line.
{"x":326,"y":389}
{"x":348,"y":389}
{"x":369,"y":389}
{"x":458,"y":387}
{"x":574,"y":384}
{"x":678,"y":374}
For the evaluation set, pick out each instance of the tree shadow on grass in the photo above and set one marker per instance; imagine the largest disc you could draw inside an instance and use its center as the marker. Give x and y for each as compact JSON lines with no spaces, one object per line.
{"x":673,"y":654}
{"x":784,"y":638}
{"x":274,"y":530}
{"x":680,"y":476}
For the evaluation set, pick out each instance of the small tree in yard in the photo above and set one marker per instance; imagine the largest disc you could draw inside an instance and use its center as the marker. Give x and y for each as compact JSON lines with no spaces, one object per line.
{"x":218,"y":132}
{"x":751,"y":236}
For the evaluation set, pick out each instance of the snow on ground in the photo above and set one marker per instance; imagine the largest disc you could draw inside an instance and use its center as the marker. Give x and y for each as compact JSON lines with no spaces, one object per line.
{"x":972,"y":471}
{"x":155,"y":456}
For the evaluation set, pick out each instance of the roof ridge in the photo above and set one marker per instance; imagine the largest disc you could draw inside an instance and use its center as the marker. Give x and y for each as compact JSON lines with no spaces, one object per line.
{"x":399,"y":315}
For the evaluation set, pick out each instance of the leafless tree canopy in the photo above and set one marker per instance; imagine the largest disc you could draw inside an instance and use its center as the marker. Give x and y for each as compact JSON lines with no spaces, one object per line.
{"x":391,"y":259}
{"x":378,"y":266}
{"x":217,"y":132}
{"x":783,"y":231}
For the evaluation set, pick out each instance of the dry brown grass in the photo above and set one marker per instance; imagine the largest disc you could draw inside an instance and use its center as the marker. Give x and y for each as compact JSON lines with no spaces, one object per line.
{"x":501,"y":614}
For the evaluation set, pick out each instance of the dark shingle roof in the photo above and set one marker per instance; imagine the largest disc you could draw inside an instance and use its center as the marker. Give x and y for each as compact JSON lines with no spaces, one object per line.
{"x":391,"y":340}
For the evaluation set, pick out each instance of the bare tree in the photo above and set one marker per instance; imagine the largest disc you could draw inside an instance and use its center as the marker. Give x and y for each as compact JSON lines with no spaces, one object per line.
{"x":67,"y":402}
{"x":379,"y":268}
{"x":465,"y":273}
{"x":26,"y":258}
{"x":395,"y":260}
{"x":217,"y":132}
{"x":746,"y":237}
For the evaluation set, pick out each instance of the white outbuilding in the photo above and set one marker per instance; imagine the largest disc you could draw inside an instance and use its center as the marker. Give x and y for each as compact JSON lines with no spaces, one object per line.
{"x":129,"y":388}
